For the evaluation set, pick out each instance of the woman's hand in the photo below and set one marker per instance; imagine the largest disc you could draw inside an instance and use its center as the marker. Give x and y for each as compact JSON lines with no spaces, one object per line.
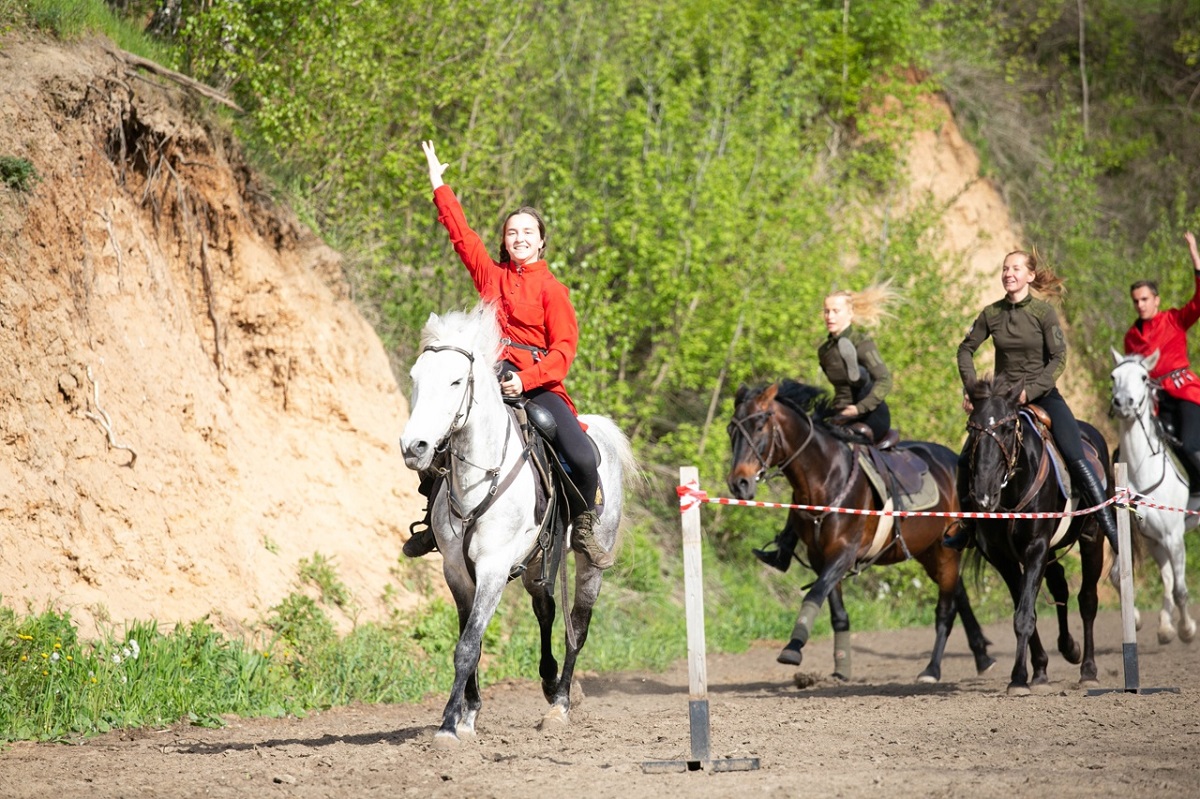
{"x":968,"y":406}
{"x":849,"y":410}
{"x":511,"y":387}
{"x":436,"y":167}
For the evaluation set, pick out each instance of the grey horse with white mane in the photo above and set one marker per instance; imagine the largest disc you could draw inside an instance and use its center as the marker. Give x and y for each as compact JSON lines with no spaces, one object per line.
{"x":486,"y":534}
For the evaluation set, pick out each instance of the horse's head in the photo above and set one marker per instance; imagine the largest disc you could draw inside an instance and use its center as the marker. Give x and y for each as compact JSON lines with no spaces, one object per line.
{"x":993,"y":442}
{"x":454,"y":371}
{"x":753,"y":434}
{"x":1132,"y":388}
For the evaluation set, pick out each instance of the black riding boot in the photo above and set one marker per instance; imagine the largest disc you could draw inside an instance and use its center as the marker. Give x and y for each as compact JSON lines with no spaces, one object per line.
{"x":781,"y":556}
{"x":1092,"y":494}
{"x":422,"y":542}
{"x":962,"y":537}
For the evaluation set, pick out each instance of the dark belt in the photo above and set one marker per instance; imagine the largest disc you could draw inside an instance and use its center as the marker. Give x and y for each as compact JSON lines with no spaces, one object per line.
{"x":538,"y":352}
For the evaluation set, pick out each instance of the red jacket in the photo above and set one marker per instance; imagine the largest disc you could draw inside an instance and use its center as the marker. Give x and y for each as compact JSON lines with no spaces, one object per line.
{"x":1167,"y":333}
{"x":532,"y":307}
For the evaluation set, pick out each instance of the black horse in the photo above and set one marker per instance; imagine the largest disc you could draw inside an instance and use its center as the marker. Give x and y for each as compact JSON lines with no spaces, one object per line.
{"x":1009,"y":469}
{"x":781,"y":427}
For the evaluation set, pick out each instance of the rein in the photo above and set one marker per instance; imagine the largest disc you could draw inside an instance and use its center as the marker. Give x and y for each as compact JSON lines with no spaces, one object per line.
{"x":1010,"y":459}
{"x":764,"y":461}
{"x":497,"y":487}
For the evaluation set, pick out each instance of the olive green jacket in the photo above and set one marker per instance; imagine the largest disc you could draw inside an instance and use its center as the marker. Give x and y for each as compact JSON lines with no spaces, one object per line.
{"x":1031,"y":349}
{"x":838,"y":366}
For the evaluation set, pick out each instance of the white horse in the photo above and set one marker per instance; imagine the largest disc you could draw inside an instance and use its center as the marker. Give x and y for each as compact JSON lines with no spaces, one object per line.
{"x":1153,"y":472}
{"x":485,"y":523}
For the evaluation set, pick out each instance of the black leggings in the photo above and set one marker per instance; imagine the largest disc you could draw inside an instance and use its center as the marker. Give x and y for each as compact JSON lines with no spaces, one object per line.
{"x":879,"y":420}
{"x":1063,"y":426}
{"x":571,"y":441}
{"x":1186,"y":418}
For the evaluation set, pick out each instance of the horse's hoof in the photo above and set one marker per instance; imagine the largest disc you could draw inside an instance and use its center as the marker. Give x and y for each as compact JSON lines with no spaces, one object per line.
{"x":1187,"y":632}
{"x":1088,"y":683}
{"x":1017,"y":689}
{"x":1166,"y":635}
{"x":925,"y":678}
{"x":792,"y":654}
{"x":555,"y":719}
{"x":445,"y":740}
{"x":983,"y":667}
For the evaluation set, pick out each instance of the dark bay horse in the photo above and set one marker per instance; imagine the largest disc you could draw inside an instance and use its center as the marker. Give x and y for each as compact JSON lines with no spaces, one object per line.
{"x":781,"y":427}
{"x":1008,"y":470}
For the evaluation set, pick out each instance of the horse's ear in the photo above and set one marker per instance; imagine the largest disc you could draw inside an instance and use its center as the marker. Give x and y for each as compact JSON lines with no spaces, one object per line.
{"x":1151,"y":360}
{"x":1117,"y":357}
{"x":742,"y":392}
{"x":1013,"y":395}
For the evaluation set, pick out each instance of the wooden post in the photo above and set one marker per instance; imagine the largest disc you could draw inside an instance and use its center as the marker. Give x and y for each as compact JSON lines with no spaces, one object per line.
{"x":693,"y":587}
{"x":1125,"y":566}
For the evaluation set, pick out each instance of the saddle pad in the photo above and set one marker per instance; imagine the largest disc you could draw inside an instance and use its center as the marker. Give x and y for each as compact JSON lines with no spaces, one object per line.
{"x":1061,"y":473}
{"x":924,"y":496}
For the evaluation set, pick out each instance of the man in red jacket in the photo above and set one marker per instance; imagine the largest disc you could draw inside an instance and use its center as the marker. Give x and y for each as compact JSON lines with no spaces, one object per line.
{"x":1166,"y":332}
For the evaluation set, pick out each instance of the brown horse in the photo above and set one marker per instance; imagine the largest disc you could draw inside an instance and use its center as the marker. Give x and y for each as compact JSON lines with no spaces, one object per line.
{"x":783,"y":427}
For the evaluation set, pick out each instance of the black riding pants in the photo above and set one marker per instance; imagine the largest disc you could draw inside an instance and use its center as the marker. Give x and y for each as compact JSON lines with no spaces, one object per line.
{"x":1186,"y":416}
{"x":572,"y":442}
{"x":1063,"y":426}
{"x":879,"y":420}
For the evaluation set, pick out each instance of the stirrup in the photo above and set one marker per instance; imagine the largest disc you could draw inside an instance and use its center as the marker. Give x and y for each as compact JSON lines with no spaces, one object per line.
{"x":775,"y":558}
{"x":420,"y":542}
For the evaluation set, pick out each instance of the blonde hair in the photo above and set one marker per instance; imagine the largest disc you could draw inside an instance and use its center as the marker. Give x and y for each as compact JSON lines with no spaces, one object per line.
{"x":871,"y":305}
{"x":1045,"y":282}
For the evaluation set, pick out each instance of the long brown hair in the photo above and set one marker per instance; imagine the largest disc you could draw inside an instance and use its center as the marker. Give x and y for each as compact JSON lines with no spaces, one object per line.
{"x":1045,"y":282}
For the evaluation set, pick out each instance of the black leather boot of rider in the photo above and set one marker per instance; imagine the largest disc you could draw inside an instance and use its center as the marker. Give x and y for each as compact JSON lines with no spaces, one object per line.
{"x":780,"y":556}
{"x":1092,"y":494}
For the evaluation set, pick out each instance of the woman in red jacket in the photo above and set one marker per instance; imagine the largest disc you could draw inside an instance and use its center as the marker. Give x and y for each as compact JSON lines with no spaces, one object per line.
{"x":540,"y":335}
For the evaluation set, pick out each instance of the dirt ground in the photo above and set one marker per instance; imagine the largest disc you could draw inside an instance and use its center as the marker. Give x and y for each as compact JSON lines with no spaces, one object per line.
{"x":879,"y":734}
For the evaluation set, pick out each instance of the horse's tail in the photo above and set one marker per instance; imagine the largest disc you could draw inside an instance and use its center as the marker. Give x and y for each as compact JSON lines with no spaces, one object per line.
{"x":604,"y":428}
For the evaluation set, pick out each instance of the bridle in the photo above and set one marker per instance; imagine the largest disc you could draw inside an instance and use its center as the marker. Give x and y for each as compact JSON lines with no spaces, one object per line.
{"x":1140,"y":413}
{"x":495,"y":489}
{"x":775,"y":438}
{"x":1010,"y":457}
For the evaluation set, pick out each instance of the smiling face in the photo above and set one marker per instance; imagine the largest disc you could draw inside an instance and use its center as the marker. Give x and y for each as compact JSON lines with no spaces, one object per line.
{"x":838,"y":314}
{"x":524,"y":238}
{"x":1017,"y":276}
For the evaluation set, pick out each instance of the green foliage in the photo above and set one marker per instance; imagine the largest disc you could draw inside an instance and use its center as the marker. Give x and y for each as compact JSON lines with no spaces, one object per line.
{"x":320,"y":572}
{"x":18,"y":174}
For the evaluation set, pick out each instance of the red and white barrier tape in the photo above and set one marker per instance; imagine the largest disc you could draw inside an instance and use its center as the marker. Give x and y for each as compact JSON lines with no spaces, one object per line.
{"x":691,"y":495}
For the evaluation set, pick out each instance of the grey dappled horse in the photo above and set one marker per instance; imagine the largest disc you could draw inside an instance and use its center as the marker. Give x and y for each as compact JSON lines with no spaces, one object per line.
{"x":457,"y":406}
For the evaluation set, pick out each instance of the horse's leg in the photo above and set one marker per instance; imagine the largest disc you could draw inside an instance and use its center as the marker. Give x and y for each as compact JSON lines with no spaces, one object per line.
{"x":941,"y":564}
{"x":1186,"y":626}
{"x":1056,"y":582}
{"x":1025,"y":619}
{"x":1010,"y":571}
{"x":975,"y":638}
{"x":1166,"y":571}
{"x":587,"y":588}
{"x":1092,"y":559}
{"x":544,"y":609}
{"x":839,"y":619}
{"x":835,"y":569}
{"x":465,"y":702}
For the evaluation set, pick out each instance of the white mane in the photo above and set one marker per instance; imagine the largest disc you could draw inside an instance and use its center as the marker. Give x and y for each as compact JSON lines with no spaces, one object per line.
{"x":476,"y":332}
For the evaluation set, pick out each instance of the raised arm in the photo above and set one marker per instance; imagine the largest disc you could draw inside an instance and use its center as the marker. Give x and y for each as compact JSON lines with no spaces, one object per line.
{"x":436,"y":167}
{"x":1190,"y":312}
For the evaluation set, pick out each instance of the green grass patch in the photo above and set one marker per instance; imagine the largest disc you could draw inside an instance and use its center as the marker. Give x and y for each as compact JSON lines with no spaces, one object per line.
{"x":18,"y":174}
